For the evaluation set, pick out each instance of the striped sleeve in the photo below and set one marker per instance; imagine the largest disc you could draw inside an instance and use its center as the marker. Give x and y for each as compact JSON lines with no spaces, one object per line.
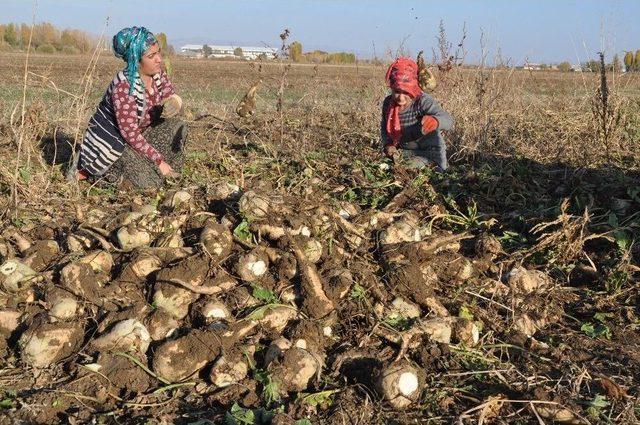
{"x":126,"y":113}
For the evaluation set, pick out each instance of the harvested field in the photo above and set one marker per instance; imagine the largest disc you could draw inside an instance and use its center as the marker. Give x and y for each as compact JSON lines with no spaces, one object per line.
{"x":294,"y":276}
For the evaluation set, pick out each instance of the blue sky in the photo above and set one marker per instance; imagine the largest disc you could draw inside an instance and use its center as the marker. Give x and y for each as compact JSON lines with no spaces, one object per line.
{"x":540,"y":30}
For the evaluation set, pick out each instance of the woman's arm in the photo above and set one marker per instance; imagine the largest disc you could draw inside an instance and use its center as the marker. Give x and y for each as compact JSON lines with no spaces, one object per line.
{"x":126,"y":112}
{"x":430,"y":106}
{"x":167,"y":89}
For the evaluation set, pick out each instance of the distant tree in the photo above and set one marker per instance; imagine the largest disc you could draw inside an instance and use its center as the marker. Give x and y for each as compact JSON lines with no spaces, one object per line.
{"x":46,"y":48}
{"x":564,"y":66}
{"x":591,"y":66}
{"x":295,"y":51}
{"x":628,"y":61}
{"x":67,"y":38}
{"x":238,"y":52}
{"x":166,"y":54}
{"x":316,"y":56}
{"x":616,"y":65}
{"x":636,"y":61}
{"x":207,"y":50}
{"x":44,"y":33}
{"x":11,"y":35}
{"x":69,"y":50}
{"x":341,"y":58}
{"x":25,"y":35}
{"x":544,"y":66}
{"x":2,"y":30}
{"x":162,"y":40}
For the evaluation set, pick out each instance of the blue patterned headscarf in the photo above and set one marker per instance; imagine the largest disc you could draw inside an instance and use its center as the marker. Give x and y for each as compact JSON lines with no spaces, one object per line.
{"x":129,"y":44}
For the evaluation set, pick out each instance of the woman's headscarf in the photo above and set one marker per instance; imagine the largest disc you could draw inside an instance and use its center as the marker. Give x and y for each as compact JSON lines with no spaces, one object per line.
{"x":129,"y":44}
{"x":402,"y":76}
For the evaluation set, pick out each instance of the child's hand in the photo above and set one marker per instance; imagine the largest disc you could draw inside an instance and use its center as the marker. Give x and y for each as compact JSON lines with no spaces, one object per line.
{"x":429,"y":124}
{"x":390,"y":150}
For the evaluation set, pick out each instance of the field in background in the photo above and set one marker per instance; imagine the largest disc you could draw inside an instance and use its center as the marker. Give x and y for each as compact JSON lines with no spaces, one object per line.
{"x":542,"y":163}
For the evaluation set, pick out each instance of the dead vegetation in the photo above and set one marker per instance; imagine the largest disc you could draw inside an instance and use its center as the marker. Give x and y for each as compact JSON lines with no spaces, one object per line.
{"x":292,"y":274}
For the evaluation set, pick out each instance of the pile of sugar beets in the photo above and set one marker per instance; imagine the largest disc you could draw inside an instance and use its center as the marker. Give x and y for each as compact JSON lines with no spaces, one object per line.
{"x":172,"y":292}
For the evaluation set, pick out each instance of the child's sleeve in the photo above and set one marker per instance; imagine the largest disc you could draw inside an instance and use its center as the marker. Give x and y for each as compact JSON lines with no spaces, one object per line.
{"x":430,"y":106}
{"x":384,"y":135}
{"x":124,"y":106}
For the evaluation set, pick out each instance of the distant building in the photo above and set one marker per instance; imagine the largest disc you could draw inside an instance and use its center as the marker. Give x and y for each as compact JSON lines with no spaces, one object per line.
{"x":192,"y":51}
{"x":220,"y":51}
{"x":529,"y":66}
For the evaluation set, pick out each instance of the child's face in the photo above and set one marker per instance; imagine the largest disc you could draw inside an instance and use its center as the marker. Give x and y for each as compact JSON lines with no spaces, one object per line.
{"x":401,"y":99}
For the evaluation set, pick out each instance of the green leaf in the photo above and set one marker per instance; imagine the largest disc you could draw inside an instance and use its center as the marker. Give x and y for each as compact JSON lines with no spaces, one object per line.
{"x":303,"y":422}
{"x":18,"y":222}
{"x":596,"y":331}
{"x":623,"y":239}
{"x":25,"y":175}
{"x":465,"y":313}
{"x":6,"y":403}
{"x":270,"y":388}
{"x":634,"y":193}
{"x":368,"y":174}
{"x":588,"y":329}
{"x":262,"y":294}
{"x":322,"y":398}
{"x":358,"y":292}
{"x":397,"y":322}
{"x":602,"y":317}
{"x":239,"y":416}
{"x":259,"y":312}
{"x":350,"y":195}
{"x":613,"y":220}
{"x":599,"y":401}
{"x":242,"y":231}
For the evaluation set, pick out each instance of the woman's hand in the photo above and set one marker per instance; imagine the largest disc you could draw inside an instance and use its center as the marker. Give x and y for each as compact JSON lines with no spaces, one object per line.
{"x":167,"y":171}
{"x":171,"y":106}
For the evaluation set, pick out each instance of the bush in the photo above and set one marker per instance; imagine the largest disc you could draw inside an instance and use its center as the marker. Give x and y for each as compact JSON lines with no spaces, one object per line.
{"x":564,"y":67}
{"x":46,"y":48}
{"x":70,"y":50}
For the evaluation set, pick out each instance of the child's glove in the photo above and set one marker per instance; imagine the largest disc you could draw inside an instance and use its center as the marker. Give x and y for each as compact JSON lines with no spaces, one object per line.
{"x":429,"y":124}
{"x":171,"y":106}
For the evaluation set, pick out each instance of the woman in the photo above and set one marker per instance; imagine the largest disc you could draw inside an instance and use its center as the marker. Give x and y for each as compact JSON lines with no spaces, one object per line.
{"x":412,"y":120}
{"x":132,"y":103}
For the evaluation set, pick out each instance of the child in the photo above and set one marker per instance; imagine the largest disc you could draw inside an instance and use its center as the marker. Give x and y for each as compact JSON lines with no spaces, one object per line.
{"x":412,"y":119}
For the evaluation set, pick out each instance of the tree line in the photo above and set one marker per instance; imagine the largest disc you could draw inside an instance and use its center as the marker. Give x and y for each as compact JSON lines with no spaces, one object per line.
{"x":632,"y":61}
{"x":318,"y":56}
{"x":46,"y":38}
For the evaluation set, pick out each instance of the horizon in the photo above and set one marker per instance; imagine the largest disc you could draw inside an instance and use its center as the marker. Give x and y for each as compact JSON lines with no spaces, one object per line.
{"x":574,"y":31}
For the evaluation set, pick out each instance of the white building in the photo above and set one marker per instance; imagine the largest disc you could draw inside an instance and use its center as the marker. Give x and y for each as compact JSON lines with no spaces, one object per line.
{"x":529,"y":66}
{"x":220,"y":51}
